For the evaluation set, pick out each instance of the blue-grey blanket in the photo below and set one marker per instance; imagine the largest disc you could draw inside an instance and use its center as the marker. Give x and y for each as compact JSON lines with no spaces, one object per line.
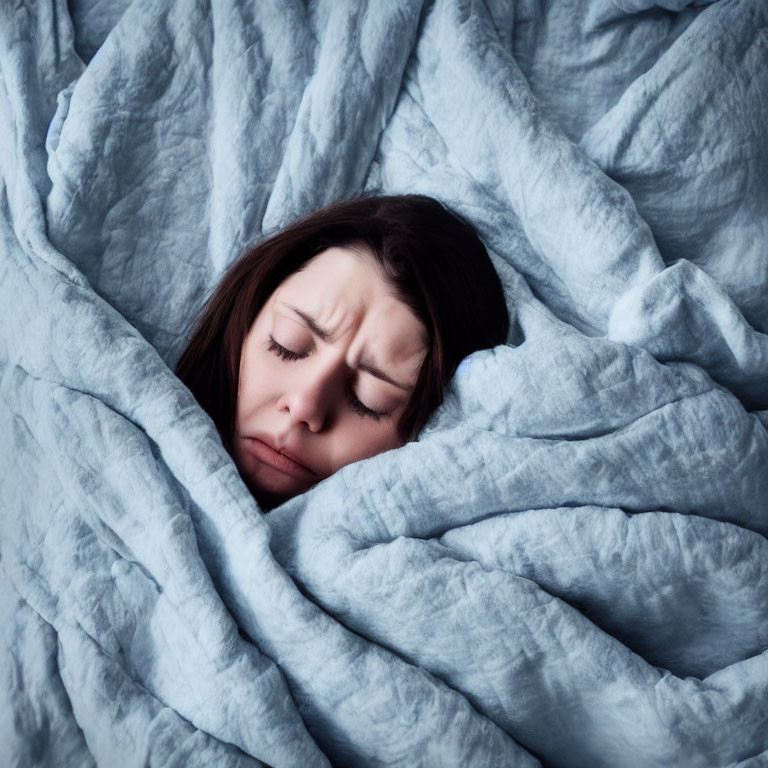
{"x":568,"y":568}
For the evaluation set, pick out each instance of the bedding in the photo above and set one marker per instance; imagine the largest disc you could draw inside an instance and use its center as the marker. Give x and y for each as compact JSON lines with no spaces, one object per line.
{"x":568,"y":568}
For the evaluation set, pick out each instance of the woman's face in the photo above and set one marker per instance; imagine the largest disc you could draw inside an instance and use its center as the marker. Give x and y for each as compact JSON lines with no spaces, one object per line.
{"x":327,"y":370}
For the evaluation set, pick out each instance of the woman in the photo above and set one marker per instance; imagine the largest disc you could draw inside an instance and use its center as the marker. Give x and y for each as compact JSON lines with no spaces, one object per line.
{"x":332,"y":340}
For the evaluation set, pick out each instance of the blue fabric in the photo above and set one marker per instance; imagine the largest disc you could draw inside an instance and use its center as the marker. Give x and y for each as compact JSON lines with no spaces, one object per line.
{"x":568,"y":567}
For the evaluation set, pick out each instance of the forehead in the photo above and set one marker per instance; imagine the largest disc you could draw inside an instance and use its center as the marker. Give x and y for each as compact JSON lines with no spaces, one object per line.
{"x":346,"y":291}
{"x":343,"y":268}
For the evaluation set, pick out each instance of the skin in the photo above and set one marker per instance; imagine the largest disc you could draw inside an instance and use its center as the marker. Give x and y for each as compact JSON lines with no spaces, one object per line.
{"x":307,"y":396}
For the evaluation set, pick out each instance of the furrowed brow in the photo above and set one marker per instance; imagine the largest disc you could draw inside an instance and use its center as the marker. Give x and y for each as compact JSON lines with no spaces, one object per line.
{"x":374,"y":370}
{"x":311,"y":323}
{"x":363,"y":365}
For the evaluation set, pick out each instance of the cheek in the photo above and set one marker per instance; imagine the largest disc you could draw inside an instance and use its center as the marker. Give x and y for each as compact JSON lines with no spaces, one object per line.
{"x":362,"y":440}
{"x":258,"y":383}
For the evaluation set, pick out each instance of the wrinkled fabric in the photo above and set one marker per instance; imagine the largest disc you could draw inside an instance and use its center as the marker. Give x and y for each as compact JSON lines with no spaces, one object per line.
{"x":567,"y":568}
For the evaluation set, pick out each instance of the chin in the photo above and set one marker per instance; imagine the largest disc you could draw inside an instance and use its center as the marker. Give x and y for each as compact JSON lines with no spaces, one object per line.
{"x":269,"y":489}
{"x":267,"y":497}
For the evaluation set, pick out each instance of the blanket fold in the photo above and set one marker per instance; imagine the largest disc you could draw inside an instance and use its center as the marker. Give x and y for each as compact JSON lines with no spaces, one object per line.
{"x":566,"y":568}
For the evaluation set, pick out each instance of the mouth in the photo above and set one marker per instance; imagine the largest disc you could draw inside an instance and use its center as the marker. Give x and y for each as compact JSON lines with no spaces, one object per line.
{"x":279,"y":459}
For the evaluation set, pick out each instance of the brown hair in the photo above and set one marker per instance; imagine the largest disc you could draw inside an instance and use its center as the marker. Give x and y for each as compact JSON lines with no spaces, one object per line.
{"x":434,"y":260}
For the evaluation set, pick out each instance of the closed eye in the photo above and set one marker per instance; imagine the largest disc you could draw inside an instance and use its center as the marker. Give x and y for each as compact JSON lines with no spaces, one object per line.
{"x":361,"y":408}
{"x":282,"y":352}
{"x":357,"y":406}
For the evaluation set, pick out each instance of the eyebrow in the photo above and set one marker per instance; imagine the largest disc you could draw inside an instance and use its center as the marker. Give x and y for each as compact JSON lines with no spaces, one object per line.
{"x":363,"y":365}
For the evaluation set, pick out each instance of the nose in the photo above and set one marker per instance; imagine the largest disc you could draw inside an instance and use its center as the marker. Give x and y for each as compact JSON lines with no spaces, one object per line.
{"x":309,"y":400}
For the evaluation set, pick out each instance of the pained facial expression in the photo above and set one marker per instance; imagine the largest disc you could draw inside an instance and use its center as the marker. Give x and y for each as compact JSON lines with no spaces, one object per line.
{"x":326,"y":371}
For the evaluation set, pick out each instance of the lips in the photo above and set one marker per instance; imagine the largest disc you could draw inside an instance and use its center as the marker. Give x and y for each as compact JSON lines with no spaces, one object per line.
{"x":278,"y":458}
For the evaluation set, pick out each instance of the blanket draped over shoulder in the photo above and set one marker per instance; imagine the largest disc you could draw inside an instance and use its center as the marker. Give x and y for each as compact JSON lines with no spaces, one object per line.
{"x":568,"y":568}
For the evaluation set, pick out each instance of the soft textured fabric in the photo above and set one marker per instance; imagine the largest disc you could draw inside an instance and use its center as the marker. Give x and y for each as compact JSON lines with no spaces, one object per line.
{"x":568,"y":568}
